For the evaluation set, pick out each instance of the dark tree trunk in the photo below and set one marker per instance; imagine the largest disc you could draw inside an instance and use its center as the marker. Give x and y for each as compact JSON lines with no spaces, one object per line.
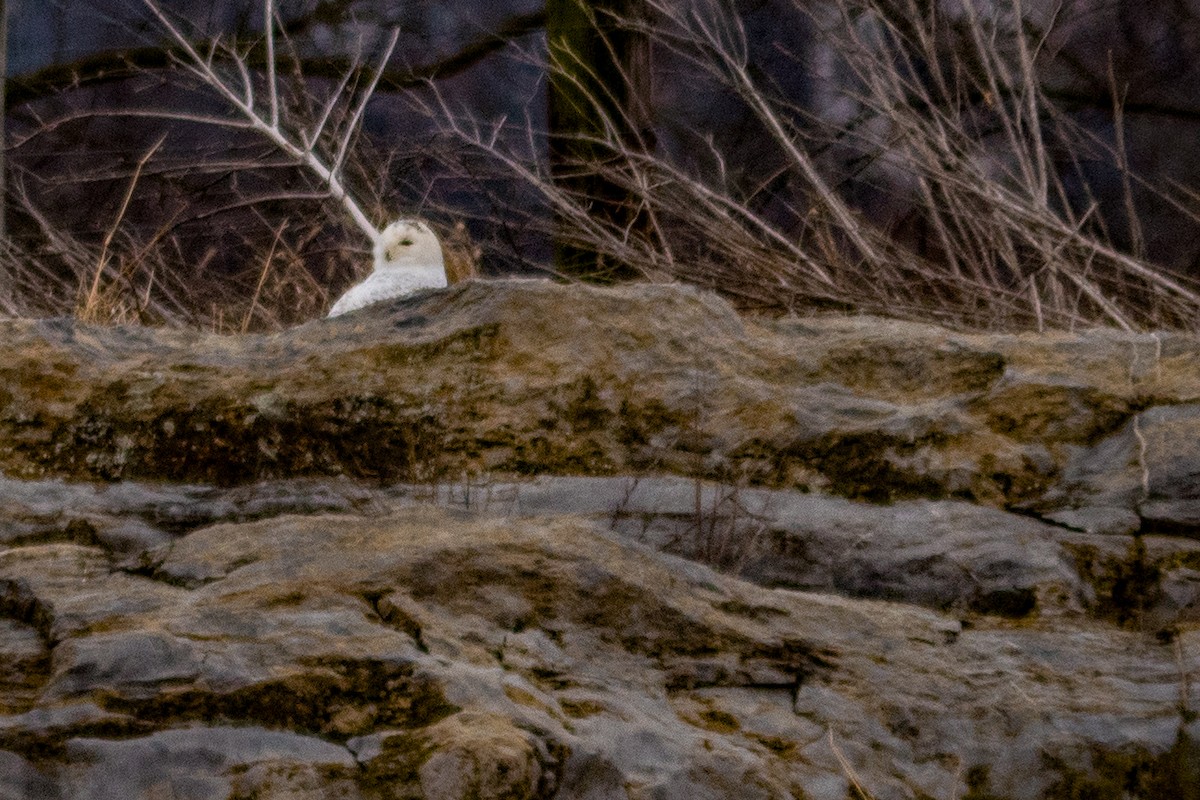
{"x":7,"y":289}
{"x":3,"y":121}
{"x":599,"y":68}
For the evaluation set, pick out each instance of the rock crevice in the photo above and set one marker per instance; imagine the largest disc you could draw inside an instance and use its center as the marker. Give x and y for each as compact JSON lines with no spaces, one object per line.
{"x":523,"y":540}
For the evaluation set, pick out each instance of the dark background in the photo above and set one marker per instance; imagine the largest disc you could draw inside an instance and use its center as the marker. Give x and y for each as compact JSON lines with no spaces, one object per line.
{"x":66,"y":60}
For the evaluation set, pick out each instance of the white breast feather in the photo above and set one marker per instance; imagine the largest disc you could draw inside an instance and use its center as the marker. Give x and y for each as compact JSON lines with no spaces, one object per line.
{"x":408,"y":258}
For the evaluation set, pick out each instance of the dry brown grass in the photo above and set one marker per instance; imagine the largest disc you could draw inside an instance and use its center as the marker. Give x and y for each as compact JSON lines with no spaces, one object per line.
{"x":460,"y":252}
{"x":952,"y":106}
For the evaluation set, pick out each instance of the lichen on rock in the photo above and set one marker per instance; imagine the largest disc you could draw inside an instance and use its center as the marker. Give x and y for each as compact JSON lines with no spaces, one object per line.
{"x":517,"y":539}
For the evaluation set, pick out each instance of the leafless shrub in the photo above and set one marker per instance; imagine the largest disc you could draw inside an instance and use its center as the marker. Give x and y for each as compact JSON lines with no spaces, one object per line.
{"x":987,"y":149}
{"x":726,"y":528}
{"x":949,"y":103}
{"x":726,"y":531}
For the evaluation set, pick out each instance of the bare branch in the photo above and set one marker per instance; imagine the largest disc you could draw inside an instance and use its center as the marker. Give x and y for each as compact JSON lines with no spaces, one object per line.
{"x":272,"y":84}
{"x":356,"y":117}
{"x":295,"y":147}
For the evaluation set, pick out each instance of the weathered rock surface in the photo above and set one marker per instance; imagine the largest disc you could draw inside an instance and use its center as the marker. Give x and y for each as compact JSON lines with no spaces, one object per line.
{"x":428,"y":653}
{"x":530,"y":377}
{"x":452,"y":548}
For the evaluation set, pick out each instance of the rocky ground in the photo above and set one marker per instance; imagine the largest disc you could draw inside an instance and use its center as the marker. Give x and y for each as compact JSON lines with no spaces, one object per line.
{"x":523,"y":540}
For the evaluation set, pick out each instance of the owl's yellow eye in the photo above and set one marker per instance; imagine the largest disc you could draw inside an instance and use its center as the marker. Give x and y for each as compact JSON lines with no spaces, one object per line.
{"x":406,"y":241}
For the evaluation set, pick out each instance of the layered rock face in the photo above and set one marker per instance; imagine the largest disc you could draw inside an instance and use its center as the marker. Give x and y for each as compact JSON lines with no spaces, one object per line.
{"x":524,"y":540}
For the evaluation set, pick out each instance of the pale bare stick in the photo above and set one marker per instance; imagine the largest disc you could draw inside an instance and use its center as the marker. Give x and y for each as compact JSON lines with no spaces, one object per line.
{"x":272,"y":85}
{"x":89,"y":306}
{"x":356,"y":117}
{"x":848,"y":769}
{"x":262,"y":278}
{"x":296,"y":145}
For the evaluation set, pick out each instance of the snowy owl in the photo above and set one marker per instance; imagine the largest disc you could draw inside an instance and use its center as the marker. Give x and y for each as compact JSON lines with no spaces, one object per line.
{"x":408,"y":258}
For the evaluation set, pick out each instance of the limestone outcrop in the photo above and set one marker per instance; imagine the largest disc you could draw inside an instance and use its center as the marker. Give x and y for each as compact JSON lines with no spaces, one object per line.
{"x":523,"y":540}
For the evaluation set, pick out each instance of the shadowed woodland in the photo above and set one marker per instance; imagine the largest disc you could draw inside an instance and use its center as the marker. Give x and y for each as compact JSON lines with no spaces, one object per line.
{"x":982,"y":165}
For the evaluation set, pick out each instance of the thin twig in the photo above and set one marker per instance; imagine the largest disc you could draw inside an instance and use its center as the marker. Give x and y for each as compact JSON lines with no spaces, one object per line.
{"x":262,"y":278}
{"x":272,"y":84}
{"x":89,"y":306}
{"x":848,"y":769}
{"x":299,"y":149}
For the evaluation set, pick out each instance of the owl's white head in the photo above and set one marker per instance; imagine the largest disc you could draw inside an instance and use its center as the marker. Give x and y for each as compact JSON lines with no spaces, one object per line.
{"x":408,"y":243}
{"x":408,"y":258}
